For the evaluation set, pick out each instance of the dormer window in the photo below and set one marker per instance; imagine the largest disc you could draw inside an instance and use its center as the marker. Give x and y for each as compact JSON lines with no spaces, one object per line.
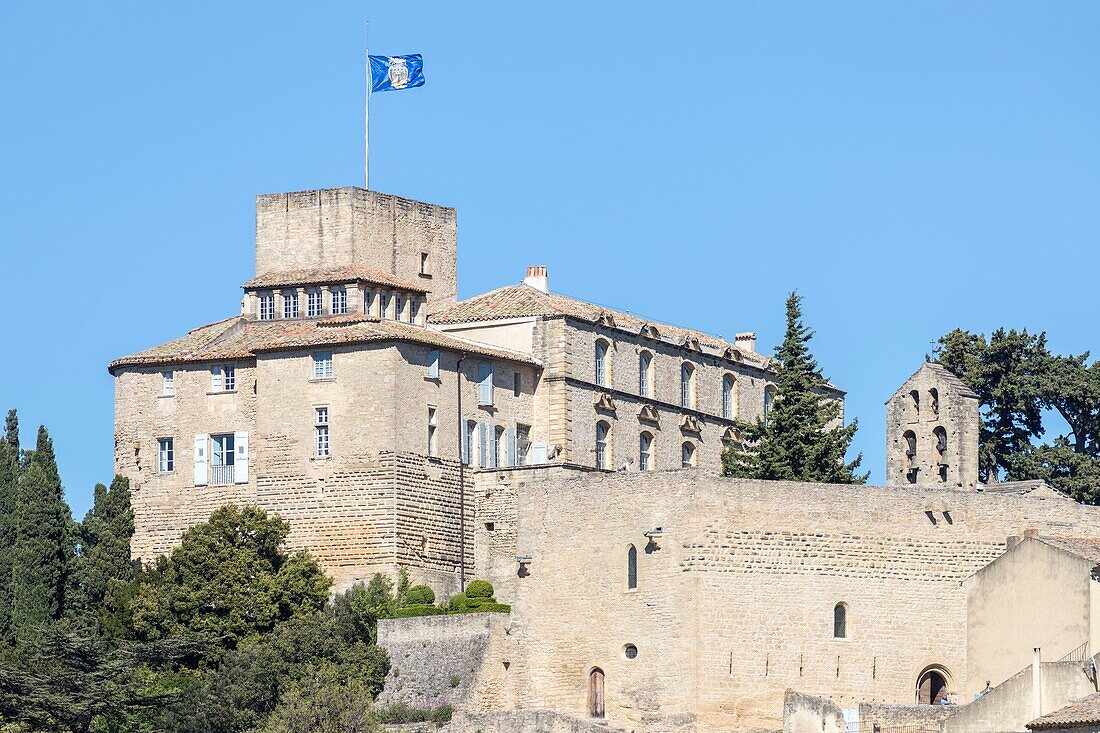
{"x":314,"y":303}
{"x":267,"y":306}
{"x":290,"y":304}
{"x":339,"y":301}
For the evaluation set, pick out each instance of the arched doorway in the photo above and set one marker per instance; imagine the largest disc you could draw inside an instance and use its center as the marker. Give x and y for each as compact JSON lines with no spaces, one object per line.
{"x":595,"y":693}
{"x":933,"y":686}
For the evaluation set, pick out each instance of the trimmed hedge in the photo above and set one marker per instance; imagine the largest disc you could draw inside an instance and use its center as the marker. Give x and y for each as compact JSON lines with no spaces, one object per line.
{"x":479,"y":589}
{"x":420,"y":595}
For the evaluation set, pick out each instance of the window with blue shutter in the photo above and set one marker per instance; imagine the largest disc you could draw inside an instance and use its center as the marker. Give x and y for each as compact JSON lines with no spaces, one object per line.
{"x":513,"y":453}
{"x":467,"y":435}
{"x":483,"y":445}
{"x":433,"y":364}
{"x":485,"y":383}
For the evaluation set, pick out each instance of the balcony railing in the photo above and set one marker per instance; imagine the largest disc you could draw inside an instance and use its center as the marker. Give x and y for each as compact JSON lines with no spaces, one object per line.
{"x":221,"y":475}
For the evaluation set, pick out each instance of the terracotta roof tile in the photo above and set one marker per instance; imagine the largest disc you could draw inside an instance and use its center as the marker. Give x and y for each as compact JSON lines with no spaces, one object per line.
{"x":320,"y":276}
{"x":524,"y":301}
{"x":1085,"y":711}
{"x":238,"y":338}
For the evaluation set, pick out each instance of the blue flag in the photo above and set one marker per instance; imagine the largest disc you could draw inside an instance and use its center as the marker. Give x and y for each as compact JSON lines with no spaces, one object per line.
{"x":396,"y":72}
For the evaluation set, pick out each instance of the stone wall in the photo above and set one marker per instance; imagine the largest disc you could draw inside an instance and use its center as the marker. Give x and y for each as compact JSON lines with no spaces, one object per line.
{"x":338,"y":227}
{"x":735,"y":597}
{"x":884,"y":717}
{"x":810,"y":714}
{"x":1010,"y":706}
{"x":454,"y":659}
{"x":525,"y":721}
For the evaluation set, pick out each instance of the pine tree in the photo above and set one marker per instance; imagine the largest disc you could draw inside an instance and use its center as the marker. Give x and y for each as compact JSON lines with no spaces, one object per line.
{"x":104,"y":556}
{"x":802,"y":439}
{"x":9,"y":473}
{"x":43,"y":539}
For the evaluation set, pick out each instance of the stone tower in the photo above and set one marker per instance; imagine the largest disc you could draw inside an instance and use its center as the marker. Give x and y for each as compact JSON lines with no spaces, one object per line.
{"x":932,"y":429}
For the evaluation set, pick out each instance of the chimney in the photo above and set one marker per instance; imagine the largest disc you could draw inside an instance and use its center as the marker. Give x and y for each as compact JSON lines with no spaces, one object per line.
{"x":746,"y":341}
{"x":537,"y":278}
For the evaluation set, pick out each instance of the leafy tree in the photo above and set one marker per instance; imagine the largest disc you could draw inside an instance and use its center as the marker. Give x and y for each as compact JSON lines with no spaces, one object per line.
{"x":325,"y":703}
{"x":66,"y":679}
{"x":801,"y":440}
{"x":1016,"y":378}
{"x":9,"y":475}
{"x":1007,"y":373}
{"x":104,"y":555}
{"x":43,"y":539}
{"x":228,"y":578}
{"x":359,"y":607}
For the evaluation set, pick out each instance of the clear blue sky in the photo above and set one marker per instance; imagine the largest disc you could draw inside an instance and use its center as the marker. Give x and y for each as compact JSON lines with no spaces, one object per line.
{"x":909,"y":167}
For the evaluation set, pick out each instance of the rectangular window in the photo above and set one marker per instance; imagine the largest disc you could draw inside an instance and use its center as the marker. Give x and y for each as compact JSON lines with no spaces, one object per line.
{"x":517,"y":384}
{"x":483,"y":445}
{"x":433,"y":448}
{"x":339,"y":301}
{"x":166,"y":455}
{"x":384,"y":305}
{"x":484,"y":383}
{"x":424,"y":263}
{"x":290,"y":304}
{"x":399,"y":308}
{"x":222,"y":459}
{"x":495,"y":435}
{"x":168,"y":384}
{"x":523,"y":444}
{"x":267,"y":306}
{"x":433,"y":364}
{"x":223,"y":378}
{"x":322,"y":365}
{"x":314,"y":303}
{"x":320,"y":427}
{"x":467,"y":440}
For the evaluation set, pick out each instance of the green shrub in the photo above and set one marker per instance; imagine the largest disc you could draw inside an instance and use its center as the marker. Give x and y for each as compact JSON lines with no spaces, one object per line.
{"x":420,"y":595}
{"x":457,"y":603}
{"x":479,"y":589}
{"x":455,"y":681}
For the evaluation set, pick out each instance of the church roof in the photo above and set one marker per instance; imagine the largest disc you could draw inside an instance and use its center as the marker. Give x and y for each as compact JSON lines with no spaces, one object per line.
{"x":1085,"y":711}
{"x":524,"y":301}
{"x":321,"y":276}
{"x":238,"y":338}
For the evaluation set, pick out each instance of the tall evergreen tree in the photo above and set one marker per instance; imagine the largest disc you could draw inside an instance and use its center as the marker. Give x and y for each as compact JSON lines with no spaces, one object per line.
{"x":802,"y":439}
{"x":104,"y":556}
{"x":9,"y":474}
{"x":43,"y":539}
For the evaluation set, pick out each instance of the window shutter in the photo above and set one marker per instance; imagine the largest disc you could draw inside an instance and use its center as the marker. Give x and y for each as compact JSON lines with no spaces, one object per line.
{"x":494,"y":445}
{"x":216,"y":379}
{"x":485,"y":383}
{"x":433,"y":364}
{"x":240,"y":470}
{"x":466,"y":443}
{"x":483,"y":441}
{"x":201,"y":459}
{"x":513,"y":452}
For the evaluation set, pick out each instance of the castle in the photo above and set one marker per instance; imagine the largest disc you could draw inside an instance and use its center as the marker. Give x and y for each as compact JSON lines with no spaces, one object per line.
{"x":570,"y":454}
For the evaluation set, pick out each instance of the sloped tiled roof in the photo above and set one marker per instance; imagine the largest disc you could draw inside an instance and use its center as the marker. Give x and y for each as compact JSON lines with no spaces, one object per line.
{"x":238,"y":338}
{"x":1086,"y":548}
{"x":524,"y":301}
{"x":1085,"y":711}
{"x":1020,"y":487}
{"x":320,"y":276}
{"x":951,"y":378}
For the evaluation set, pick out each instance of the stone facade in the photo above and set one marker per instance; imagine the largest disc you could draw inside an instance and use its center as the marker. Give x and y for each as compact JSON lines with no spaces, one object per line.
{"x":737,"y":585}
{"x":932,"y":427}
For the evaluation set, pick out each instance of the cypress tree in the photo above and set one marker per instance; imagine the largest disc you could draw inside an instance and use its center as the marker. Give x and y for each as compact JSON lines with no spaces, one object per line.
{"x":802,"y":439}
{"x":9,"y":473}
{"x":104,"y":556}
{"x":43,"y":539}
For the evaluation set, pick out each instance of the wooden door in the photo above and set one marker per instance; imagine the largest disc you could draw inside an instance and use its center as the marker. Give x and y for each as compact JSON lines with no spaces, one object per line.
{"x":595,"y":693}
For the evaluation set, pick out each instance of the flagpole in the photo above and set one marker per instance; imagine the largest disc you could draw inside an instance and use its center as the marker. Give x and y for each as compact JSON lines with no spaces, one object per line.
{"x":366,"y":118}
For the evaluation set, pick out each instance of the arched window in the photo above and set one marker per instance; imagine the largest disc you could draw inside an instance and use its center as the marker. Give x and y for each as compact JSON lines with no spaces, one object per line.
{"x":602,"y":431}
{"x":769,"y":398}
{"x":914,"y":405}
{"x":601,"y":363}
{"x":687,"y":385}
{"x":687,"y":455}
{"x":840,"y":621}
{"x":910,"y":439}
{"x":729,"y":403}
{"x":645,"y":451}
{"x":941,"y":439}
{"x":934,"y":400}
{"x":645,"y":374}
{"x":632,"y":568}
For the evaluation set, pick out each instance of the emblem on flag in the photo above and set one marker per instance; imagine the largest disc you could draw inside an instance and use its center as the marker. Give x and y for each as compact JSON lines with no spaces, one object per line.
{"x":396,"y":72}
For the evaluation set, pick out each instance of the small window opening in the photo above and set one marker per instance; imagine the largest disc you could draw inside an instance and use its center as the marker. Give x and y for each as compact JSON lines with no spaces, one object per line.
{"x":840,"y":621}
{"x":630,"y":651}
{"x":632,"y":568}
{"x":934,"y":400}
{"x":490,"y":526}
